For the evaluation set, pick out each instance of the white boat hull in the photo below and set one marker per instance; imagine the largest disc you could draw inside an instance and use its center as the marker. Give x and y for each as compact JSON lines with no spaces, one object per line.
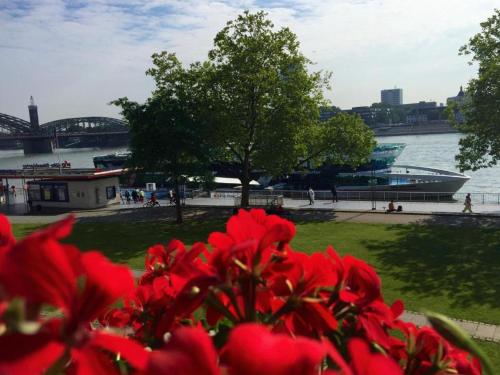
{"x":430,"y":181}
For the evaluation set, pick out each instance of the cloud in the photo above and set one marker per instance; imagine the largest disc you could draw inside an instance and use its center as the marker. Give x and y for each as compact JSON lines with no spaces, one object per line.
{"x":76,"y":56}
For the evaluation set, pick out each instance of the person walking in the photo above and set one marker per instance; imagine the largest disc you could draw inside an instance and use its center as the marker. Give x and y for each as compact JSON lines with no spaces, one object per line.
{"x":334,"y":194}
{"x":468,"y":204}
{"x":127,"y":196}
{"x":135,"y":196}
{"x":310,"y":193}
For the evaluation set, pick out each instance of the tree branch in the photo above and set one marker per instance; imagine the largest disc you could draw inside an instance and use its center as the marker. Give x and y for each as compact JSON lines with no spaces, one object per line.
{"x":310,"y":157}
{"x":234,"y":152}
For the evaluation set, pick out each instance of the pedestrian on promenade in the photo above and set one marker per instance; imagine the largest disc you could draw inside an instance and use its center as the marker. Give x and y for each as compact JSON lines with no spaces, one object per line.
{"x":135,"y":196}
{"x":310,"y":194}
{"x":171,"y":196}
{"x":127,"y":196}
{"x":468,"y":204}
{"x":334,"y":194}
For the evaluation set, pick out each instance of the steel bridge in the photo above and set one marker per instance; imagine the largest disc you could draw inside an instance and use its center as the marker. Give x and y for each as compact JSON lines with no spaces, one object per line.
{"x":69,"y":132}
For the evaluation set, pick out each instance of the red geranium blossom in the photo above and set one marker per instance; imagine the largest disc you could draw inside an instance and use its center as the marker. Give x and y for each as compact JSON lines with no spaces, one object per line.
{"x":253,"y":350}
{"x":364,"y":362}
{"x":43,"y":271}
{"x":189,"y":352}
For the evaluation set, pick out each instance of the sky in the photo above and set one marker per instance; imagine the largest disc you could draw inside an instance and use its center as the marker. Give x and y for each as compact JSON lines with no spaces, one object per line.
{"x":76,"y":56}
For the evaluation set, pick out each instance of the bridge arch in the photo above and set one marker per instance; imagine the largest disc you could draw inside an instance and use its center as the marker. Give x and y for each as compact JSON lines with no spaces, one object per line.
{"x":13,"y":125}
{"x":87,"y":124}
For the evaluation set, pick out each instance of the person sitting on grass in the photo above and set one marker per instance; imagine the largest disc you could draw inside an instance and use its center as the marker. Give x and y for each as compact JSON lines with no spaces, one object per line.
{"x":391,"y":207}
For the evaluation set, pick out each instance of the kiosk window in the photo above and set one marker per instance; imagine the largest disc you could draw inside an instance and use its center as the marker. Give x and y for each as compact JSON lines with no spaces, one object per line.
{"x":54,"y":192}
{"x":34,"y":193}
{"x":110,"y":192}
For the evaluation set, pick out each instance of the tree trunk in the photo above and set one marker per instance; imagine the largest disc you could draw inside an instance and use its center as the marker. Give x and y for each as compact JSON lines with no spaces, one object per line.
{"x":178,"y":206}
{"x":245,"y":182}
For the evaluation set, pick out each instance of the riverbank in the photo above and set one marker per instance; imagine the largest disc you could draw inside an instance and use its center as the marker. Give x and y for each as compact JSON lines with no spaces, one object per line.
{"x":414,"y":129}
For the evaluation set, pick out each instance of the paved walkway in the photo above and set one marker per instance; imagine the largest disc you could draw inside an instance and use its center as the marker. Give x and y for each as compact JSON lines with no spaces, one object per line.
{"x":478,"y":330}
{"x":353,"y":205}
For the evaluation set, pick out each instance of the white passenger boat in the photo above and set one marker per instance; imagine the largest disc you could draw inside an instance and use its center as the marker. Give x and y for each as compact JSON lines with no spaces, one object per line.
{"x":408,"y":178}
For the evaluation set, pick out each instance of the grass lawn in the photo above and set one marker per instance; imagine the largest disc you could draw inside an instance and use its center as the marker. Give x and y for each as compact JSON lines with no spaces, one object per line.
{"x":452,"y":270}
{"x":492,"y":350}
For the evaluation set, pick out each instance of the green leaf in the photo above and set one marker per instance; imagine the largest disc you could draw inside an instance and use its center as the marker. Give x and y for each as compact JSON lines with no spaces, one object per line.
{"x":458,"y":337}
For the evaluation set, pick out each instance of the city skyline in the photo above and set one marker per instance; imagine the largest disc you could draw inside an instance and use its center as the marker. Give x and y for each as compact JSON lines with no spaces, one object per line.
{"x":75,"y":57}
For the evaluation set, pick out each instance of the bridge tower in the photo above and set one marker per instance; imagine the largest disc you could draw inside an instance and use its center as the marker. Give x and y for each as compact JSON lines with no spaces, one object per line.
{"x":33,"y":110}
{"x":36,"y":145}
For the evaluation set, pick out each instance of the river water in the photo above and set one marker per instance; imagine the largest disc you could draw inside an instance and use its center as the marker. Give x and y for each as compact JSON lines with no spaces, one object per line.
{"x":433,"y":151}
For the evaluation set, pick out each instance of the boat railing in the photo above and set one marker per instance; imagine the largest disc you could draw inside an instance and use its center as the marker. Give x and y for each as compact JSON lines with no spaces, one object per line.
{"x":397,"y":195}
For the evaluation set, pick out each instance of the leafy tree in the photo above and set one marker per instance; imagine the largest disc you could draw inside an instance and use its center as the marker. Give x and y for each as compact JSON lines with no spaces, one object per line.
{"x":265,"y":101}
{"x":168,"y":132}
{"x":342,"y":139}
{"x":480,"y":147}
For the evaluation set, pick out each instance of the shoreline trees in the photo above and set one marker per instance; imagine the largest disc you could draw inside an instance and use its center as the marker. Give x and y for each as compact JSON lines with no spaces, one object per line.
{"x":480,"y":148}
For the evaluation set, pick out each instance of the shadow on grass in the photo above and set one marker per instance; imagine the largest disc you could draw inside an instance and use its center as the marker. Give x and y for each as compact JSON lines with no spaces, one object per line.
{"x":128,"y":242}
{"x":140,"y":214}
{"x":309,"y":216}
{"x":462,"y":265}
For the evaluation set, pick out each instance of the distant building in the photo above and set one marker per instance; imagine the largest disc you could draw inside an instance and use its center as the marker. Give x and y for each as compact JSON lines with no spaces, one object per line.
{"x":416,"y":118}
{"x":366,"y":113}
{"x":459,"y":99}
{"x":423,"y":112}
{"x":392,"y":97}
{"x":422,"y":105}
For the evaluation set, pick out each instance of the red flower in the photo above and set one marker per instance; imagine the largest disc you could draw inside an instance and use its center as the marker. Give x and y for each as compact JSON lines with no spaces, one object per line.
{"x":174,"y":259}
{"x":361,"y":283}
{"x":249,"y":233}
{"x":364,"y":362}
{"x":43,"y":271}
{"x":375,"y":320}
{"x":28,"y":354}
{"x":253,"y":350}
{"x":189,"y":352}
{"x":300,"y":298}
{"x":6,"y":237}
{"x":464,"y":364}
{"x":90,"y":358}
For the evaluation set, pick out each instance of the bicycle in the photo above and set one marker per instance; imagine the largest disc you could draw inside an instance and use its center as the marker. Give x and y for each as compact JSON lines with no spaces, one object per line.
{"x":151,"y":204}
